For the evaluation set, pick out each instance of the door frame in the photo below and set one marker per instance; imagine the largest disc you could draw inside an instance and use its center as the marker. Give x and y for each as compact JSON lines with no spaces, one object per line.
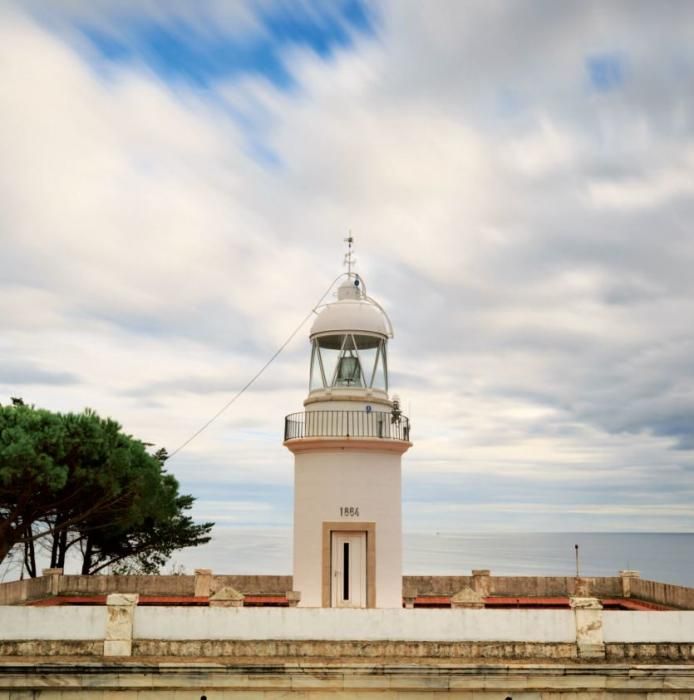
{"x":326,"y":555}
{"x":351,"y":543}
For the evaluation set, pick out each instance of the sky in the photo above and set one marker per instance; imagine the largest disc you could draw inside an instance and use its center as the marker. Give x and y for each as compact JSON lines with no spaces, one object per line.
{"x":177,"y":179}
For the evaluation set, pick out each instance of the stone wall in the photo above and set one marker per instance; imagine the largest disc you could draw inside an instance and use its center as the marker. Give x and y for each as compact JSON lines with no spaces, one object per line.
{"x":628,"y":585}
{"x":434,"y":585}
{"x":512,"y":586}
{"x":548,"y":586}
{"x":127,"y":630}
{"x":278,"y":651}
{"x":254,"y":585}
{"x":120,"y":650}
{"x":663,"y":593}
{"x":14,"y":592}
{"x":144,"y":585}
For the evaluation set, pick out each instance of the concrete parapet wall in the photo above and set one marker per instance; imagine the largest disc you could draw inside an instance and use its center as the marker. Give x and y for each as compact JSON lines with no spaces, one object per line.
{"x":29,"y":589}
{"x":512,"y":586}
{"x":649,"y":627}
{"x":550,"y":626}
{"x":434,"y":585}
{"x":460,"y":633}
{"x":254,"y":585}
{"x":15,"y":592}
{"x":664,"y":593}
{"x":55,"y":623}
{"x":547,"y":586}
{"x":144,"y":585}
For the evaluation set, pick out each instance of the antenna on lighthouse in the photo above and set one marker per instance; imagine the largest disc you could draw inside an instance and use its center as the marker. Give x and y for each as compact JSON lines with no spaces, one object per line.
{"x":349,"y":255}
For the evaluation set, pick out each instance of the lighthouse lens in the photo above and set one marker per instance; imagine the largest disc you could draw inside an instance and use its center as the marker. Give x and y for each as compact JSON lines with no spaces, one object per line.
{"x":348,"y":371}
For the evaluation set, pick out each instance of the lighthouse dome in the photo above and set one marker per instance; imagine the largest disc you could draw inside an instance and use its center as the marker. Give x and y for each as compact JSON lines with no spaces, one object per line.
{"x":349,"y":315}
{"x":352,"y":311}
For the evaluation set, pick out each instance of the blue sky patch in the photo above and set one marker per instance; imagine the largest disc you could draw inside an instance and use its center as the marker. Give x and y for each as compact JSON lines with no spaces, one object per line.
{"x":177,"y":51}
{"x":605,"y":71}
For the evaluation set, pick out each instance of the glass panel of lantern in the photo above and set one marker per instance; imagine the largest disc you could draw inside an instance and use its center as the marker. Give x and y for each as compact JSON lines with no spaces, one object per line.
{"x":379,"y":379}
{"x":316,"y":376}
{"x":367,"y":348}
{"x":329,"y":347}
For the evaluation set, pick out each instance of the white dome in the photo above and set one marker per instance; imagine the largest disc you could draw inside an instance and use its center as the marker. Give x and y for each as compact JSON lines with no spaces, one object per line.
{"x":349,"y":315}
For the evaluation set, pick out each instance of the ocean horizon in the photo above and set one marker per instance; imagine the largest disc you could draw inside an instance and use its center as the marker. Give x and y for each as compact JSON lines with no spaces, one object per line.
{"x":667,"y":557}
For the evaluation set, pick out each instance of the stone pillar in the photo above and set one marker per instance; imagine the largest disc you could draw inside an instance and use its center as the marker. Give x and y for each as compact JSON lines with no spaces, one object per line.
{"x":582,"y":588}
{"x":293,"y":598}
{"x":481,"y":582}
{"x":226,"y":597}
{"x":627,"y":575}
{"x":588,"y":617}
{"x":467,"y":598}
{"x":119,"y":624}
{"x":54,"y":580}
{"x":203,"y":583}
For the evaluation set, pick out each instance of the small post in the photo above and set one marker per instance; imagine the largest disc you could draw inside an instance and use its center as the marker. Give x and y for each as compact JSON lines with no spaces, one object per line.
{"x":293,"y":598}
{"x":203,"y":583}
{"x":481,"y":582}
{"x":577,"y":571}
{"x":53,"y":580}
{"x":627,"y":575}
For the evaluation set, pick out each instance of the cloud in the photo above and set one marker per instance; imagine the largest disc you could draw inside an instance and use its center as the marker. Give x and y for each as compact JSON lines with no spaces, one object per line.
{"x":518,"y":182}
{"x":19,"y":373}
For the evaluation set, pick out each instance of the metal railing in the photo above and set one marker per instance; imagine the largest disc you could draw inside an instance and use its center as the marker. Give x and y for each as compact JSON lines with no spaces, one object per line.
{"x":375,"y":424}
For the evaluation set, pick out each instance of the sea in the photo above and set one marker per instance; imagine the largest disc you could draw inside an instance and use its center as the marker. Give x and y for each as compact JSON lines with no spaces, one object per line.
{"x":667,"y":557}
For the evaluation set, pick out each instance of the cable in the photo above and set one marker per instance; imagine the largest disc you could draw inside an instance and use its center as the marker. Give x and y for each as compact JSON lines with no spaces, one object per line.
{"x":258,"y":373}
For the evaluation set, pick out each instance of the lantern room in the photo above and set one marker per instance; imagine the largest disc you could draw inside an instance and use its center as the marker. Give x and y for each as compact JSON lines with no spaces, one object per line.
{"x":349,"y":340}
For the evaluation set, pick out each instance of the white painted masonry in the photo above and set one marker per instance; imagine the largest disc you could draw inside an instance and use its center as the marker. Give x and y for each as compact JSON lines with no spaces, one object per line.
{"x":648,"y":627}
{"x":365,"y":625}
{"x":53,"y":623}
{"x":19,"y":623}
{"x":325,"y":481}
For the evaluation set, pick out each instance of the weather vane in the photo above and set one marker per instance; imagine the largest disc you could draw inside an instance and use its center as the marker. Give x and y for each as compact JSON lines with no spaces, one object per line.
{"x":349,"y":257}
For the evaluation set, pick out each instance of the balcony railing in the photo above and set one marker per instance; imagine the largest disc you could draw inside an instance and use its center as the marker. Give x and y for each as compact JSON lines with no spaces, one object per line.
{"x":357,"y":424}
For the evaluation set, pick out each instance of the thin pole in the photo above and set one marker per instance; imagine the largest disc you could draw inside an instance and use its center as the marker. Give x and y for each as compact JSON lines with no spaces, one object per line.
{"x":349,"y":260}
{"x":577,"y":574}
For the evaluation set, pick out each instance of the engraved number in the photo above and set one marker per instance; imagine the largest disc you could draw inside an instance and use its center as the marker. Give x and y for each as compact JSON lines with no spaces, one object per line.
{"x":349,"y":511}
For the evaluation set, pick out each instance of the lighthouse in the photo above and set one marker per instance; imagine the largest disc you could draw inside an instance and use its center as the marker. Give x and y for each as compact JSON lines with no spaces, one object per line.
{"x":348,"y":445}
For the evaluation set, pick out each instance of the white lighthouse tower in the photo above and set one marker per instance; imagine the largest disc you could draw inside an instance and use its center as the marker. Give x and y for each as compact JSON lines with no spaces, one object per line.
{"x":348,"y":445}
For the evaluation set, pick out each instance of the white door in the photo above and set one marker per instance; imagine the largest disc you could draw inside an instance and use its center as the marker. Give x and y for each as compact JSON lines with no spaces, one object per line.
{"x":348,"y":569}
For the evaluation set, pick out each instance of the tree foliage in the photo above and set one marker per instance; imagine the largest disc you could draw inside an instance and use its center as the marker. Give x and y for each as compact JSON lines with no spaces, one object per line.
{"x":76,"y":482}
